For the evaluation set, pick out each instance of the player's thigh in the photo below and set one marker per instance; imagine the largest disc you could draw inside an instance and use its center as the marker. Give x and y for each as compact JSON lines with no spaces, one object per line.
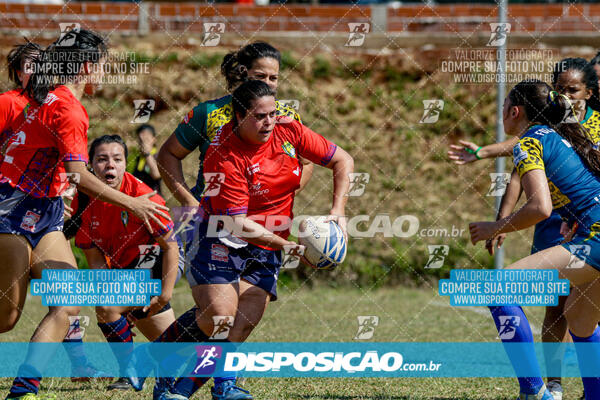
{"x":15,"y":255}
{"x":215,"y":301}
{"x":582,"y":308}
{"x":152,"y":327}
{"x":558,"y":258}
{"x":252,"y":304}
{"x":52,"y":252}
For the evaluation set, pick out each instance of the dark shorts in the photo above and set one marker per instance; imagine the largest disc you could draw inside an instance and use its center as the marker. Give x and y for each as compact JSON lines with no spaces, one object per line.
{"x":547,"y":233}
{"x":28,"y":216}
{"x":211,"y":261}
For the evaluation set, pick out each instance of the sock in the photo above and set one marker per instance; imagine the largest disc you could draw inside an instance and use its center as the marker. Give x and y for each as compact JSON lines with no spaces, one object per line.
{"x":187,"y":386}
{"x":586,"y":356}
{"x":76,"y":353}
{"x":119,"y":332}
{"x":184,"y":329}
{"x":28,"y":381}
{"x":75,"y":350}
{"x":515,"y":328}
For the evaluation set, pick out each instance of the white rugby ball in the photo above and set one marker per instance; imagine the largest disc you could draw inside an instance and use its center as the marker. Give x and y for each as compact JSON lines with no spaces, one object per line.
{"x":324,"y":241}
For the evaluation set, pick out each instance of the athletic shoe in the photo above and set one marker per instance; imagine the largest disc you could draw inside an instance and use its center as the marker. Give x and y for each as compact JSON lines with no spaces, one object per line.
{"x":543,"y":394}
{"x":555,"y":390}
{"x":172,"y":396}
{"x":161,"y":386}
{"x":227,"y":390}
{"x":121,"y":384}
{"x":86,"y":373}
{"x":32,"y":396}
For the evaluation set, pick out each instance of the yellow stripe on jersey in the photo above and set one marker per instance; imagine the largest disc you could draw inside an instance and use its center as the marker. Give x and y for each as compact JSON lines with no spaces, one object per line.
{"x":527,"y":155}
{"x":592,"y":125}
{"x":216,"y":119}
{"x":558,"y":198}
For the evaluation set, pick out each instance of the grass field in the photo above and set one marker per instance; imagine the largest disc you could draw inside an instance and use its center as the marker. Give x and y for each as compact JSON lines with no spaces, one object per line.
{"x":325,"y":314}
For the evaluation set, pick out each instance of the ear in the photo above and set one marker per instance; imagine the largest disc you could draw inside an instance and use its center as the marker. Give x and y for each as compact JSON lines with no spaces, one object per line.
{"x":515,"y":112}
{"x":589,"y":93}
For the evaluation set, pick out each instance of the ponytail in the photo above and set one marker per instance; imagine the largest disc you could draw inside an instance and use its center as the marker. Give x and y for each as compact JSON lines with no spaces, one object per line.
{"x":544,"y":106}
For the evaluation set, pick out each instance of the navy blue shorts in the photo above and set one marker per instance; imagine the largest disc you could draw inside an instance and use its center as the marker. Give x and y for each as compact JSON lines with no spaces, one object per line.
{"x":547,"y":233}
{"x":28,"y":216}
{"x":211,"y":261}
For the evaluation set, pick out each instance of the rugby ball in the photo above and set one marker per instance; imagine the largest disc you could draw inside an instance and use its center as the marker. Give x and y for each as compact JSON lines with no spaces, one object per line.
{"x":324,"y":241}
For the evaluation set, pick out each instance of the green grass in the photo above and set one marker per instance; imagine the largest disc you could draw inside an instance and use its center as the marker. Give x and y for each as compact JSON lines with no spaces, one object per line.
{"x":326,"y":314}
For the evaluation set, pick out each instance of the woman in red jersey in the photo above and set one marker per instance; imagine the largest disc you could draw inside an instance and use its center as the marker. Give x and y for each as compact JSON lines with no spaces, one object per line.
{"x":49,"y":141}
{"x":111,"y":238}
{"x":257,"y":158}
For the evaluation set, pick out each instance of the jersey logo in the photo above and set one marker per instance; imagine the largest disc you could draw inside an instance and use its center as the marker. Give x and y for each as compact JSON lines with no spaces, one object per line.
{"x":519,"y":154}
{"x":219,"y":252}
{"x":289,"y":149}
{"x":124,"y":218}
{"x":188,"y":116}
{"x":26,"y":110}
{"x":254,"y":168}
{"x":29,"y":220}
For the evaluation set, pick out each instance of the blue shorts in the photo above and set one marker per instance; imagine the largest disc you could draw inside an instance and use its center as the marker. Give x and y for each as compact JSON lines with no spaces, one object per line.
{"x":28,"y":216}
{"x":211,"y":261}
{"x":585,"y":247}
{"x":547,"y":233}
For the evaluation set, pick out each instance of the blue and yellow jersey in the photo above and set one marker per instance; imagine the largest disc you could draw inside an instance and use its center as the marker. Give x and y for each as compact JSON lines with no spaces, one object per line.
{"x":574,"y":188}
{"x":202,"y":125}
{"x":591,"y":122}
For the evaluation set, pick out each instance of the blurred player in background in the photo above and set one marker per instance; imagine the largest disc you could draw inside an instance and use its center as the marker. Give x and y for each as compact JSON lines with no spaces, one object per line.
{"x":577,"y":79}
{"x":112,"y":238}
{"x":49,"y":140}
{"x":257,"y":153}
{"x":552,"y":149}
{"x":145,"y":166}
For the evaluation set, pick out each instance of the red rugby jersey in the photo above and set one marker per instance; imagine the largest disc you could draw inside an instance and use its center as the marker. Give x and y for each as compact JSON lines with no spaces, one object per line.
{"x":43,"y":137}
{"x":12,"y":103}
{"x":261,"y":180}
{"x":120,"y":236}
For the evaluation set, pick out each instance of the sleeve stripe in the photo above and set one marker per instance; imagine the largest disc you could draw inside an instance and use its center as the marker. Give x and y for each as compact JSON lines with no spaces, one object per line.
{"x":332,"y":148}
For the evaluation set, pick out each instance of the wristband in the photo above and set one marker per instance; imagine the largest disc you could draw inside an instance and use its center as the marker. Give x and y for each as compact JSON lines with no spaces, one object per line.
{"x":474,"y":152}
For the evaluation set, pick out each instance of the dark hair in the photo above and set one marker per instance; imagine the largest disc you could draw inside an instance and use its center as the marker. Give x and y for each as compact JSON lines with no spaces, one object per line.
{"x":246,"y":93}
{"x":60,"y":63}
{"x":590,"y":78}
{"x":236,"y":64}
{"x":596,"y":59}
{"x":104,"y":140}
{"x":18,"y":56}
{"x":145,"y":127}
{"x":546,"y":107}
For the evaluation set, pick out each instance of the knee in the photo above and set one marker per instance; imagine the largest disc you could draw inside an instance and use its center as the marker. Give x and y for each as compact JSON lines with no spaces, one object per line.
{"x":104,"y":314}
{"x":578,"y":323}
{"x":65,"y":312}
{"x":10,"y":320}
